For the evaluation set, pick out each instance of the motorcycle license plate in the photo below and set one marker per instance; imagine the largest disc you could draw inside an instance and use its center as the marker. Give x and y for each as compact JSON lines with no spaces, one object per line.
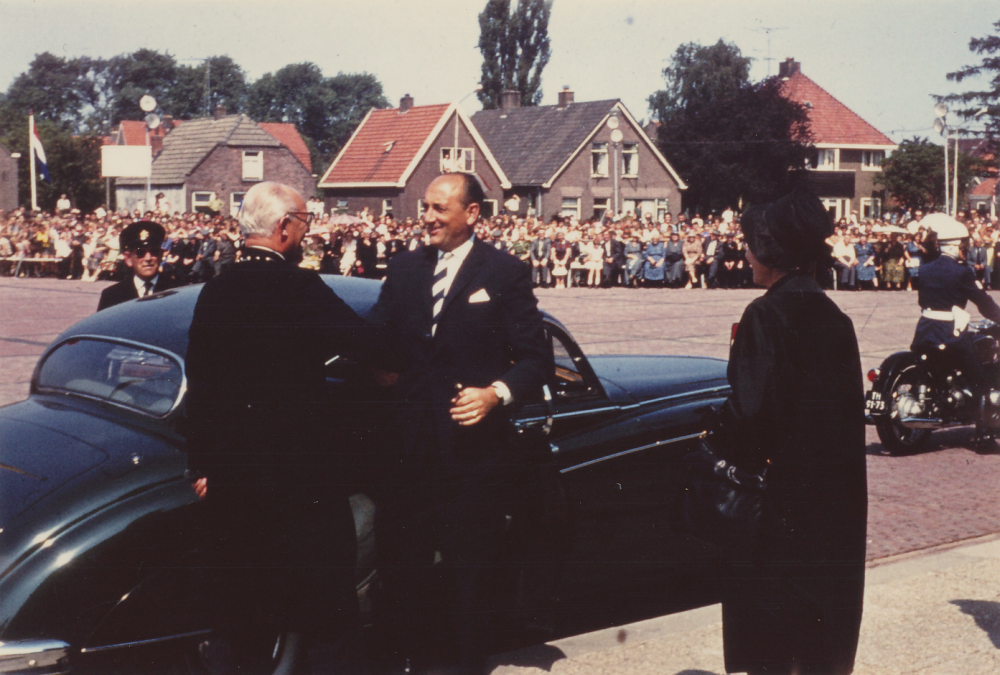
{"x":874,"y":402}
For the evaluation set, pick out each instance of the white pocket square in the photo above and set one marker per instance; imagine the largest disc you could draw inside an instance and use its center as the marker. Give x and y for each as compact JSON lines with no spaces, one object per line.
{"x":480,"y":296}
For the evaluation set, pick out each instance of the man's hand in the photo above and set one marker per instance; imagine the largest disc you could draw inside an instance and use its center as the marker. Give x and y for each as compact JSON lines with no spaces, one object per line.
{"x":200,"y":487}
{"x":472,"y":404}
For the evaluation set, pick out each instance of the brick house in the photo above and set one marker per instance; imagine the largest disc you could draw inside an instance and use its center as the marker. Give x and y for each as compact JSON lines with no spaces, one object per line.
{"x":579,"y":159}
{"x":8,"y":181}
{"x":982,"y":192}
{"x":221,"y":156}
{"x":847,"y":149}
{"x":395,"y":153}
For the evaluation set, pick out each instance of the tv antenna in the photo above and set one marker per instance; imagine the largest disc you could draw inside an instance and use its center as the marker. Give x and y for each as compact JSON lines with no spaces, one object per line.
{"x":767,"y":30}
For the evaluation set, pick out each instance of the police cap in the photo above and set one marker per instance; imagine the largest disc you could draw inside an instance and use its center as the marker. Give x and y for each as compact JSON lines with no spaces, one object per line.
{"x":142,"y":235}
{"x":945,"y":227}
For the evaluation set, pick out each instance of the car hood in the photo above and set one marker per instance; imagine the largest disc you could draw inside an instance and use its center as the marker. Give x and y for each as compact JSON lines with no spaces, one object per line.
{"x":649,"y":377}
{"x":35,"y":461}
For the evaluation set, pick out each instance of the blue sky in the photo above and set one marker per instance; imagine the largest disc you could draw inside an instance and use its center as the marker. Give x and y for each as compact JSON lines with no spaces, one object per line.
{"x":883,"y":58}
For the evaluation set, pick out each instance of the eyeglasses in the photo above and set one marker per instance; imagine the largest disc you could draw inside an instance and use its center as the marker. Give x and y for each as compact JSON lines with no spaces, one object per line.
{"x":305,"y":217}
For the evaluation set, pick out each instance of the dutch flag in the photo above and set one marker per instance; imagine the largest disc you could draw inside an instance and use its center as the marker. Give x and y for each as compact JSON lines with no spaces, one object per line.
{"x":38,"y":152}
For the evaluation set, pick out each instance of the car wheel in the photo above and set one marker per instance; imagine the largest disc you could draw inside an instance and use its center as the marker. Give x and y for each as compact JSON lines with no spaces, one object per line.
{"x":273,"y":654}
{"x":896,"y":438}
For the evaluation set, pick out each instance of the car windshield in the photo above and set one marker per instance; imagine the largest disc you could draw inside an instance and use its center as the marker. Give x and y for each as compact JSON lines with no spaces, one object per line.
{"x":124,"y":374}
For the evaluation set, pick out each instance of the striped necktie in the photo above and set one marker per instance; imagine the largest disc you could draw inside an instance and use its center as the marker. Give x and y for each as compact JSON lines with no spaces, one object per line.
{"x":147,"y":288}
{"x":438,"y":289}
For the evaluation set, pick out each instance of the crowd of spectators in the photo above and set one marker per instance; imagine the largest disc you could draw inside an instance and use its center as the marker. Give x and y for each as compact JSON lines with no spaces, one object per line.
{"x":564,"y":252}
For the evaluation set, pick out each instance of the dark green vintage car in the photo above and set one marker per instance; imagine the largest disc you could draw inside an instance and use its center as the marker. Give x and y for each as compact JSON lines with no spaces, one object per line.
{"x":99,"y":528}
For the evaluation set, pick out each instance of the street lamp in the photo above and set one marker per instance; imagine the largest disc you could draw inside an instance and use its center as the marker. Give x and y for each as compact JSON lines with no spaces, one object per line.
{"x":941,"y":126}
{"x":941,"y":110}
{"x":454,"y":149}
{"x":148,"y":105}
{"x":616,"y":138}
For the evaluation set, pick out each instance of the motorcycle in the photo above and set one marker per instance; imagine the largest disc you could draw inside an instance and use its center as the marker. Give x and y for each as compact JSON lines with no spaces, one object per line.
{"x":916,"y":392}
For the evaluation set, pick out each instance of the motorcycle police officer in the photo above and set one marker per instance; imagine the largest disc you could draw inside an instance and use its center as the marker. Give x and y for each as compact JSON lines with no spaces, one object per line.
{"x":947,"y":284}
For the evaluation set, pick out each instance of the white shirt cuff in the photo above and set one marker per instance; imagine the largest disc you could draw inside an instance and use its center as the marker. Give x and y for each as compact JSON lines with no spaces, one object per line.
{"x":503,"y":393}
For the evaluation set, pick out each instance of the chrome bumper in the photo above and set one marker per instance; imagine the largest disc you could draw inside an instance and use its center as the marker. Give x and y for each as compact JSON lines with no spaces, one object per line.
{"x":34,"y":657}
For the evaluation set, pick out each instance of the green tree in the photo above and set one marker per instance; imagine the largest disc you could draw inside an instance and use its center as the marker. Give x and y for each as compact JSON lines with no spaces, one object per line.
{"x":733,"y":141}
{"x":914,"y":174}
{"x":131,"y":76}
{"x":74,"y":165}
{"x":324,"y":110}
{"x":515,"y":49}
{"x":989,"y":96}
{"x":224,"y":80}
{"x":53,"y":87}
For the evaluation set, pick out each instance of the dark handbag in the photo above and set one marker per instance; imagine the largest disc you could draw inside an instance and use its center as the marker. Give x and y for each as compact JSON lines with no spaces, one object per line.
{"x":722,"y":504}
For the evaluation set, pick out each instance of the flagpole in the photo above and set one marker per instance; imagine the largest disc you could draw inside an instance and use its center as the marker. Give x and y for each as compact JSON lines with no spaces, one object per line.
{"x":31,"y":155}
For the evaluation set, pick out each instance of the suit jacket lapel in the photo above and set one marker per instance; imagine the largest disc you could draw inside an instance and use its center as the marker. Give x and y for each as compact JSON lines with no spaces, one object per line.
{"x":466,"y":273}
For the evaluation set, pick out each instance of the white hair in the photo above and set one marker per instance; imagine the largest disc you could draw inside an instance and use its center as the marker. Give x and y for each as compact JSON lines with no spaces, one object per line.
{"x":264,"y":205}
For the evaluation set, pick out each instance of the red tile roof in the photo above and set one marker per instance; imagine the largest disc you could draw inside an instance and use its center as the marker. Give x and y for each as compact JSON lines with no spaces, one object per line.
{"x":986,"y":188}
{"x":830,"y":120}
{"x":133,"y":132}
{"x":286,"y":134}
{"x":365,"y":159}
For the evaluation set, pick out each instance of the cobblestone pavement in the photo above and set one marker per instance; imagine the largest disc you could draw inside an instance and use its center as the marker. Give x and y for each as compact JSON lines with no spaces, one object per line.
{"x":944,"y":494}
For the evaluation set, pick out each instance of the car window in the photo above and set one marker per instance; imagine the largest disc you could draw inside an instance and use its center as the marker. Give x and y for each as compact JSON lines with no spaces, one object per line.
{"x":566,"y":371}
{"x":124,"y":374}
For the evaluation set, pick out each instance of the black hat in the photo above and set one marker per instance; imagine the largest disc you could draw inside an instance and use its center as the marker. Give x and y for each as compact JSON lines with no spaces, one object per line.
{"x":142,"y":234}
{"x":788,"y":233}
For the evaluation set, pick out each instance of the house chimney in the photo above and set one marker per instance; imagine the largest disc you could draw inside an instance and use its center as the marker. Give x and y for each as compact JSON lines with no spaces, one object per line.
{"x":167,"y":123}
{"x":565,"y":97}
{"x":220,"y":112}
{"x":788,"y":67}
{"x":510,"y":98}
{"x":405,"y":104}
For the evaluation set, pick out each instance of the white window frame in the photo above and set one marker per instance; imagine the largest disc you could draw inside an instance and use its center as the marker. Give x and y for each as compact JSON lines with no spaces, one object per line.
{"x":234,"y":203}
{"x":200,"y":193}
{"x":570,"y":207}
{"x":837,"y":205}
{"x":386,"y":207}
{"x":662,"y":207}
{"x":827,"y":159}
{"x":494,"y":204}
{"x":602,"y":209}
{"x":630,"y":150}
{"x":870,"y":160}
{"x":599,"y":152}
{"x":457,"y":160}
{"x":253,"y":165}
{"x":874,"y":207}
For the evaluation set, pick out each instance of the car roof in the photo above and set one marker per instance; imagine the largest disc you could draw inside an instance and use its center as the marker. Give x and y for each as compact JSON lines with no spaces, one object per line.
{"x":163,"y":319}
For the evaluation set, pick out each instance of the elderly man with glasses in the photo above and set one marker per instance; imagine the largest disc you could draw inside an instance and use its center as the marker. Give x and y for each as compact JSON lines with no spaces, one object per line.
{"x":266,"y":445}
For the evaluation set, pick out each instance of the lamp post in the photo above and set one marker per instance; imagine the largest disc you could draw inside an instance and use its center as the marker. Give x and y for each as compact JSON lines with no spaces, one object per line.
{"x":941,"y":110}
{"x":941,"y":126}
{"x":454,"y":148}
{"x":148,"y":104}
{"x":616,"y":137}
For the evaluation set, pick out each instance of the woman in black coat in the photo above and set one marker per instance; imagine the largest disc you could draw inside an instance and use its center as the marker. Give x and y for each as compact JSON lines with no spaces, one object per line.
{"x":793,"y":604}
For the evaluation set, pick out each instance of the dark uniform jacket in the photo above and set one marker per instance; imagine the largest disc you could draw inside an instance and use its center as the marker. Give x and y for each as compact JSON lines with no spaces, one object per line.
{"x":947,"y":283}
{"x":260,"y":337}
{"x":797,"y":400}
{"x":261,"y":429}
{"x":125,"y":289}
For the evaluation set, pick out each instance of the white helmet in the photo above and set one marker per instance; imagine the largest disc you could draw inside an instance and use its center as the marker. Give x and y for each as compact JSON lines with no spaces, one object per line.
{"x":945,"y":227}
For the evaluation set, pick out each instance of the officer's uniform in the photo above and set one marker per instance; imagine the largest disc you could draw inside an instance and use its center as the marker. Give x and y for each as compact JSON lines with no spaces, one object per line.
{"x":140,"y":235}
{"x":947,"y":283}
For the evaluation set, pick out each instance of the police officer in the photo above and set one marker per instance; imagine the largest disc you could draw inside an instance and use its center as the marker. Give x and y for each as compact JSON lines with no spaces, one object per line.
{"x":947,"y":284}
{"x":141,"y":244}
